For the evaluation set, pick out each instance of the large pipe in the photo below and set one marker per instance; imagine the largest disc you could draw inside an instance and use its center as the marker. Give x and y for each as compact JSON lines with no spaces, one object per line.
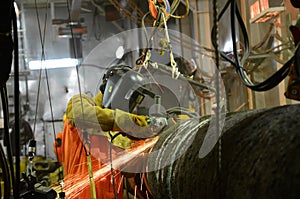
{"x":260,"y":158}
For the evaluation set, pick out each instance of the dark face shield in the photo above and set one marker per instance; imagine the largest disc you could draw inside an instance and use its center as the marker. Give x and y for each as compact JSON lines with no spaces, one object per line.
{"x":123,"y":88}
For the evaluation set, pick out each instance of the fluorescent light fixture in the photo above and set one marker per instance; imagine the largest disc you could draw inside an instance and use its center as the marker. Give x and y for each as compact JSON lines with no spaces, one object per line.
{"x":53,"y":63}
{"x":16,"y":8}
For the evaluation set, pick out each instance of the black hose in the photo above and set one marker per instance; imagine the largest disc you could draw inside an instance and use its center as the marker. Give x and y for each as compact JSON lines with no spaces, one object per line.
{"x":16,"y":186}
{"x":7,"y":140}
{"x":5,"y":173}
{"x":8,"y":170}
{"x":238,"y":63}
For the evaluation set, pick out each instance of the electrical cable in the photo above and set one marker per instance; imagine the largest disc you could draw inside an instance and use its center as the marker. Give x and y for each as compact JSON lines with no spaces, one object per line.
{"x":9,"y":45}
{"x":16,"y":187}
{"x":42,"y":40}
{"x":182,"y":110}
{"x":92,"y":183}
{"x":42,"y":37}
{"x":112,"y":137}
{"x":187,"y":9}
{"x":75,"y":55}
{"x":89,"y":164}
{"x":7,"y":139}
{"x":10,"y":167}
{"x":5,"y":173}
{"x":238,"y":63}
{"x":217,"y":80}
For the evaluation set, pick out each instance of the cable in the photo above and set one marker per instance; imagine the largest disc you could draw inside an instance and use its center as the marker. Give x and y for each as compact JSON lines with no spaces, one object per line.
{"x":40,"y":70}
{"x":112,"y":137}
{"x":9,"y":44}
{"x":92,"y":183}
{"x":5,"y":173}
{"x":7,"y":139}
{"x":182,"y":110}
{"x":75,"y":54}
{"x":217,"y":79}
{"x":7,"y":47}
{"x":16,"y":186}
{"x":187,"y":9}
{"x":87,"y":142}
{"x":42,"y":40}
{"x":238,"y":62}
{"x":10,"y":167}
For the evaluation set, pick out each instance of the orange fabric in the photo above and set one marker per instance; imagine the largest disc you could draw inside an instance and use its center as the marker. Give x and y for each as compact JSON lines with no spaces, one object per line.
{"x":73,"y":157}
{"x":153,"y":8}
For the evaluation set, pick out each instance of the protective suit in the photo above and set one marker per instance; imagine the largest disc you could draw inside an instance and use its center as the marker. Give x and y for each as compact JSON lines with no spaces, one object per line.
{"x":85,"y":113}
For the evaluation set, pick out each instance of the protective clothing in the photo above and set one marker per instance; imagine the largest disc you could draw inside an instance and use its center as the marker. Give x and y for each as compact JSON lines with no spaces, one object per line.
{"x":72,"y":155}
{"x":85,"y":113}
{"x":82,"y":110}
{"x":122,"y":88}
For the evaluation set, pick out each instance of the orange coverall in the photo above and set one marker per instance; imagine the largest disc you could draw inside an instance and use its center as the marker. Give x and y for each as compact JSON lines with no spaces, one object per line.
{"x":71,"y":153}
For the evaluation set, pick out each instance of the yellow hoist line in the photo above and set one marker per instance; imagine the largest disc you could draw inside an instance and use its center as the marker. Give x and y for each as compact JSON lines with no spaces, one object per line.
{"x":91,"y":177}
{"x":161,"y":11}
{"x":175,"y":72}
{"x":87,"y":148}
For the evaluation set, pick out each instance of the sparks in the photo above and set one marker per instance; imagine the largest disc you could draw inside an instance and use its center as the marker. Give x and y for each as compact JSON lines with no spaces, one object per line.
{"x":75,"y":184}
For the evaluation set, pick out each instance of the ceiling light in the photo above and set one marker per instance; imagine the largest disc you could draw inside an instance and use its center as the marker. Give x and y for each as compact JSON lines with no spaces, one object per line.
{"x":53,"y":63}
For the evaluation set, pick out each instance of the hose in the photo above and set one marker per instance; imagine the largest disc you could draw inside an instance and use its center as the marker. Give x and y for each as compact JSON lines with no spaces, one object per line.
{"x":238,"y":62}
{"x":7,"y":140}
{"x":5,"y":173}
{"x":16,"y":187}
{"x":8,"y":170}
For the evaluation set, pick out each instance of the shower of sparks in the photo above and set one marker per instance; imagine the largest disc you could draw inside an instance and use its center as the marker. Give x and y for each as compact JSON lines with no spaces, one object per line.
{"x":141,"y":182}
{"x":120,"y":184}
{"x":75,"y":184}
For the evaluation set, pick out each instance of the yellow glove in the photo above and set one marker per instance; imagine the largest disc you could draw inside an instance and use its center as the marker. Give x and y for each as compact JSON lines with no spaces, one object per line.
{"x":137,"y":126}
{"x":84,"y":112}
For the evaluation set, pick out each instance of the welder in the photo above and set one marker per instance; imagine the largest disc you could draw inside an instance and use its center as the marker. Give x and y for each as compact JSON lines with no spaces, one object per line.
{"x":102,"y":117}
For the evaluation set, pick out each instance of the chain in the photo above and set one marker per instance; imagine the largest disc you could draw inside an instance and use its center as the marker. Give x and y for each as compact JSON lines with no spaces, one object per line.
{"x":217,"y":55}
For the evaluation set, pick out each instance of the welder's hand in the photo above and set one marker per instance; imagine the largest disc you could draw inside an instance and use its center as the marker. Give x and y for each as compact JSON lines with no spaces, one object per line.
{"x":156,"y":124}
{"x":139,"y":127}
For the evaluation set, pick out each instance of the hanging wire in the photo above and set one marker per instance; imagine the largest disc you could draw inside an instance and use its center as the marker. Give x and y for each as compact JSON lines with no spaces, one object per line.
{"x":5,"y":173}
{"x":42,"y":41}
{"x":42,"y":36}
{"x":187,"y":9}
{"x":16,"y":187}
{"x":112,"y":137}
{"x":86,"y":138}
{"x":46,"y":70}
{"x":217,"y":79}
{"x":87,"y":147}
{"x":75,"y":55}
{"x":238,"y":62}
{"x":8,"y":168}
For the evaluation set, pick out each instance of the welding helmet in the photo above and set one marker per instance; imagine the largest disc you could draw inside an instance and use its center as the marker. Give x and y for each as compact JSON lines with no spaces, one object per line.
{"x":122,"y":88}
